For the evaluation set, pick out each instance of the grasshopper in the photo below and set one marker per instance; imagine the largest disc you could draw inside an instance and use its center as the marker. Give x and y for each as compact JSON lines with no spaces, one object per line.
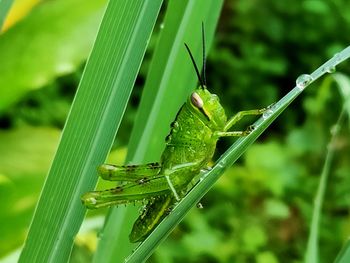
{"x":190,"y":145}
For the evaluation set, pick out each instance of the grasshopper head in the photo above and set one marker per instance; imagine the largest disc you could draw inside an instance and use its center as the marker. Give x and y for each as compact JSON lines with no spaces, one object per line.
{"x":206,"y":105}
{"x":208,"y":108}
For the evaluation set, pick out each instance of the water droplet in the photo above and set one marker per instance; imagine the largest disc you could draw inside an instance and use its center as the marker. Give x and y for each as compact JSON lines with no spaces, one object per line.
{"x":337,"y":57}
{"x":206,"y":169}
{"x":251,"y":128}
{"x":200,"y":206}
{"x":222,"y":164}
{"x":331,"y":69}
{"x":161,"y":26}
{"x":267,"y":114}
{"x":303,"y":81}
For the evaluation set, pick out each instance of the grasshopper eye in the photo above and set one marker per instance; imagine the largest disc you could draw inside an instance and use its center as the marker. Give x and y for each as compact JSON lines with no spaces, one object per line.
{"x":196,"y":100}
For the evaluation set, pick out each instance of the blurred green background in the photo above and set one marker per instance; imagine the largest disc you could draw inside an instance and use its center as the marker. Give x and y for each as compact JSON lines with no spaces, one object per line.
{"x":261,"y":209}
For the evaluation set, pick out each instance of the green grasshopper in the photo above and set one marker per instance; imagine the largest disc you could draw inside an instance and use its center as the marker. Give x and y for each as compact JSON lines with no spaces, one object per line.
{"x":190,"y":145}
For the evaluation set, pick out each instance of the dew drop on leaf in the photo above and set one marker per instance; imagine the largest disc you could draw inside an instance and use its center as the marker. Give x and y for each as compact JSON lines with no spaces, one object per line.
{"x":303,"y":81}
{"x":267,"y":114}
{"x":331,"y":69}
{"x":337,"y":57}
{"x":200,"y":206}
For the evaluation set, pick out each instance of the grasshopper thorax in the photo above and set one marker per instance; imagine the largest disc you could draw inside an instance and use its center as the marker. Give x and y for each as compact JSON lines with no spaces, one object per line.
{"x":208,"y":108}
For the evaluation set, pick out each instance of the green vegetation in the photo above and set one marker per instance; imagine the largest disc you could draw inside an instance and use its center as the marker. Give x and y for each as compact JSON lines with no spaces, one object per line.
{"x":261,"y":210}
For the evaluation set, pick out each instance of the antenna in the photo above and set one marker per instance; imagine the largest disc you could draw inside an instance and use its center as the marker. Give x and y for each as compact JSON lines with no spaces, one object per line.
{"x":195,"y":67}
{"x":204,"y":61}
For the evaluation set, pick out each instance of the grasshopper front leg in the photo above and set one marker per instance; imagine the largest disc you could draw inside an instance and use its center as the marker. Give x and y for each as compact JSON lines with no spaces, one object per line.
{"x":235,"y":119}
{"x":239,"y":115}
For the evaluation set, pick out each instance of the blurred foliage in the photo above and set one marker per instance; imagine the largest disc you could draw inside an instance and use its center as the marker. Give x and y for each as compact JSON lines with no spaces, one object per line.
{"x":26,"y":154}
{"x":19,"y":10}
{"x":261,"y":209}
{"x":41,"y":54}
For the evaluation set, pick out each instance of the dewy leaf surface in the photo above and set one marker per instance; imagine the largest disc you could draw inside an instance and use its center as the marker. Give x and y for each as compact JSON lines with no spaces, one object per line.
{"x":26,"y":154}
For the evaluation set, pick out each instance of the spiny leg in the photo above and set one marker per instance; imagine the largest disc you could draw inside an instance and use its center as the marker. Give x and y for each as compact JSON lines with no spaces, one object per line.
{"x":141,"y":190}
{"x":127,"y":193}
{"x":130,"y":173}
{"x":239,"y":115}
{"x":110,"y":197}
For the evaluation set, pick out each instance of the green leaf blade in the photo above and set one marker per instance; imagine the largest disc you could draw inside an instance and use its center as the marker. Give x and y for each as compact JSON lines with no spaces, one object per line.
{"x":90,"y":129}
{"x":344,"y":254}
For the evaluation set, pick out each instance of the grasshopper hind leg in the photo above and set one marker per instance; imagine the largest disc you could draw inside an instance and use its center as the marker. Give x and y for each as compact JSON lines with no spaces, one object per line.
{"x":129,"y":192}
{"x":129,"y":173}
{"x":118,"y":196}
